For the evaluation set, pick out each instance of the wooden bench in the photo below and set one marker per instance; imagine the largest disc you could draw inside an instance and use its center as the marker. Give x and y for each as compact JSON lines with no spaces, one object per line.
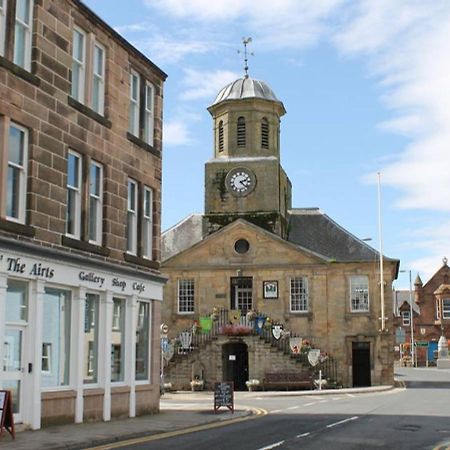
{"x":287,"y":380}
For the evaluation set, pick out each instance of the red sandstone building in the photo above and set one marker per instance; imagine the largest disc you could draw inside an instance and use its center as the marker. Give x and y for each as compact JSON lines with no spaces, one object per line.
{"x":80,"y":151}
{"x":431,"y":315}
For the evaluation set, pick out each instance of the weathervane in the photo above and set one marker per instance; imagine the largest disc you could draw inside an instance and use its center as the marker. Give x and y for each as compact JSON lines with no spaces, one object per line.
{"x":246,"y":41}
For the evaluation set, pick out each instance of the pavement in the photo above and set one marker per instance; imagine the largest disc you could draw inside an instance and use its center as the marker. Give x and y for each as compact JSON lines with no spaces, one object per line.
{"x":181,"y":412}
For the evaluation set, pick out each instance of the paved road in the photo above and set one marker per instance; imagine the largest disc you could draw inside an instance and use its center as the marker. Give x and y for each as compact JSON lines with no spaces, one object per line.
{"x":417,"y":417}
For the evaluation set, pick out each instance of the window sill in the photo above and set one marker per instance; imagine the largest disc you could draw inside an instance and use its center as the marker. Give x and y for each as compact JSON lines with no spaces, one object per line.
{"x":133,"y":259}
{"x":19,"y":71}
{"x":353,"y":314}
{"x":140,"y":143}
{"x":85,"y":246}
{"x":307,"y":314}
{"x":89,"y":112}
{"x":17,"y":228}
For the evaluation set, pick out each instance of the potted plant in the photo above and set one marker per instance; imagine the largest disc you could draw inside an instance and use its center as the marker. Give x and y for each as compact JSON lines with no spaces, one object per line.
{"x":253,"y":384}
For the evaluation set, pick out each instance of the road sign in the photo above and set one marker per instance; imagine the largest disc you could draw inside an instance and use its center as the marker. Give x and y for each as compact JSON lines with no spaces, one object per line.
{"x":400,"y":336}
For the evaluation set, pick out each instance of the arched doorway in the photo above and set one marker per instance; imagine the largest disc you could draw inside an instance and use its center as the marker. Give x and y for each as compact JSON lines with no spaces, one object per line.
{"x":235,"y":364}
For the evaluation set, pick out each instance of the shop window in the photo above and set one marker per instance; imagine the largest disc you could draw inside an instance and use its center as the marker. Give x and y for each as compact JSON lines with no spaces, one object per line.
{"x":147,"y":223}
{"x":17,"y":173}
{"x":406,"y":318}
{"x":95,"y":203}
{"x":142,"y":341}
{"x":17,"y":302}
{"x":118,"y":341}
{"x":22,"y":33}
{"x":241,"y":133}
{"x":359,"y":293}
{"x":132,"y":217}
{"x":56,"y":338}
{"x":299,"y":294}
{"x":73,"y":209}
{"x":264,"y":133}
{"x":91,"y":322}
{"x":3,"y":4}
{"x":186,"y":296}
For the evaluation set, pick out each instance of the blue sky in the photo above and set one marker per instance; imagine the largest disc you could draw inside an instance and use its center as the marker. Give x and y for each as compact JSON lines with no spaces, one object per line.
{"x":366,"y":88}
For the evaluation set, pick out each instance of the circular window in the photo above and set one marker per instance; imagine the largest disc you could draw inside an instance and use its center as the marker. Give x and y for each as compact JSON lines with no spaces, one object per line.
{"x":241,"y":246}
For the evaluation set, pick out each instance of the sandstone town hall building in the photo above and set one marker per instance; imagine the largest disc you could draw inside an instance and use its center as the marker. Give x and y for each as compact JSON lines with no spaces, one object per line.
{"x":252,"y":260}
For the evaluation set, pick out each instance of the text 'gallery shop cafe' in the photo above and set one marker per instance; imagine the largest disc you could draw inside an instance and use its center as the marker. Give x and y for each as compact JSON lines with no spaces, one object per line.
{"x":80,"y":338}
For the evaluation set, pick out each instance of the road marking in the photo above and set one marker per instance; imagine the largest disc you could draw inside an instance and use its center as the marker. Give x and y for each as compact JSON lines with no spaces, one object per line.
{"x":257,"y":412}
{"x":275,"y":411}
{"x":323,"y":401}
{"x":350,"y":395}
{"x":337,"y":398}
{"x":277,"y":444}
{"x":309,"y":404}
{"x":293,"y":407}
{"x":303,"y":435}
{"x":342,"y":421}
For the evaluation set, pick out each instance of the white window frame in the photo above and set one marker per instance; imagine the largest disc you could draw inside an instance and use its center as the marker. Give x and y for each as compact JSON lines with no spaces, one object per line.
{"x":147,"y":223}
{"x":446,"y":308}
{"x":406,"y":318}
{"x":132,"y":205}
{"x":186,"y":296}
{"x":47,"y":356}
{"x":96,"y":198}
{"x":299,"y":295}
{"x":77,"y":197}
{"x":27,"y":27}
{"x":356,"y":287}
{"x":3,"y":6}
{"x":149,"y":115}
{"x":80,"y":65}
{"x":23,"y":172}
{"x":98,"y":79}
{"x":139,"y":317}
{"x":133,"y":126}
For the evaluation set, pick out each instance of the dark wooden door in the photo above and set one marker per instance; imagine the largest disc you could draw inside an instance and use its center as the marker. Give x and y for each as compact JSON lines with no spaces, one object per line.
{"x":361,"y":364}
{"x":235,"y":364}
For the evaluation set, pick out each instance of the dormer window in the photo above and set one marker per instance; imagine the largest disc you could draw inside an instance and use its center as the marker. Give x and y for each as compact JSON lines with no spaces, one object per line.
{"x":241,"y":132}
{"x":264,"y":133}
{"x":220,"y":137}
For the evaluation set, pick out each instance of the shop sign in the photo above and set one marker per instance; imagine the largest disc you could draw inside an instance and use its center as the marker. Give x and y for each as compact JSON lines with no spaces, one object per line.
{"x":421,"y":344}
{"x":32,"y":268}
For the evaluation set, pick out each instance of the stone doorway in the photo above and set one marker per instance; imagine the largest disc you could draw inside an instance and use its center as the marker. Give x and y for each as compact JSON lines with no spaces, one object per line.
{"x":235,"y":364}
{"x":361,"y":364}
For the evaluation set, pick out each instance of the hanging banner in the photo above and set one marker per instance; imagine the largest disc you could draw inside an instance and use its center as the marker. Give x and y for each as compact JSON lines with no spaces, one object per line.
{"x":168,"y":352}
{"x":277,"y":331}
{"x":186,"y":340}
{"x":234,"y":317}
{"x":259,"y":323}
{"x":295,"y":343}
{"x":313,"y":356}
{"x":206,"y":324}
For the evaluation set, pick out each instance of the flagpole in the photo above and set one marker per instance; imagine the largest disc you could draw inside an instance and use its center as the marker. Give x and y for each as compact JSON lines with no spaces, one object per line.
{"x":380,"y":233}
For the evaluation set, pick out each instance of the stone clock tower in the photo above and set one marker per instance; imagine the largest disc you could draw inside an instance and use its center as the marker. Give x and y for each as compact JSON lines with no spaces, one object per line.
{"x":245,"y":178}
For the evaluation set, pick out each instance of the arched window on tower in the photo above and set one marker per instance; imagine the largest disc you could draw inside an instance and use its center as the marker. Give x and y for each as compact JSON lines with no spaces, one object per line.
{"x":241,"y":132}
{"x":264,"y":133}
{"x":220,"y":137}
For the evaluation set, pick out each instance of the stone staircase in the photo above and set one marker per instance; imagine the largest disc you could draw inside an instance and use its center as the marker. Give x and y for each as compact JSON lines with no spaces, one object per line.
{"x":203,"y":357}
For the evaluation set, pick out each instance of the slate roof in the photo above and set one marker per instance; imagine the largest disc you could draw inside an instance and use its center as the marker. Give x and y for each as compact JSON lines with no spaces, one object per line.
{"x":314,"y":230}
{"x":309,"y":228}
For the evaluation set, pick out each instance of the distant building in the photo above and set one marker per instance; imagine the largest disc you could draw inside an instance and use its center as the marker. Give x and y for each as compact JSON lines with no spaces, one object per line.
{"x":275,"y":280}
{"x":80,"y":282}
{"x":431,"y":315}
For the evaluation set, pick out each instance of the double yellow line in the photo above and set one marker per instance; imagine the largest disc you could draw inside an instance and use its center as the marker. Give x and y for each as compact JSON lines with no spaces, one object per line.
{"x":256,"y":413}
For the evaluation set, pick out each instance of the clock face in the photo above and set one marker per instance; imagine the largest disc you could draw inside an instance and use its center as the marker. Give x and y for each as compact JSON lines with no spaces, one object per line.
{"x":240,"y":181}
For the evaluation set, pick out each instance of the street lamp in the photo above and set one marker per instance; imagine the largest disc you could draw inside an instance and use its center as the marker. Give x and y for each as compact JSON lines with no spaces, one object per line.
{"x":411,"y":318}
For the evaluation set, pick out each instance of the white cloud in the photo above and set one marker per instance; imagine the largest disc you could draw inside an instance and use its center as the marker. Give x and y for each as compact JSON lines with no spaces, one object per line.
{"x":205,"y":85}
{"x":176,"y":133}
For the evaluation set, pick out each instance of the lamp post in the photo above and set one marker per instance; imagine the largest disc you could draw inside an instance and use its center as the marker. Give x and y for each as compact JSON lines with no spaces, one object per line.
{"x":413,"y":362}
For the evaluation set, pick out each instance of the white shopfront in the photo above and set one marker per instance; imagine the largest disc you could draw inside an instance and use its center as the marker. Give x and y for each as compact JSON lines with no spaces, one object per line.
{"x":70,"y":325}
